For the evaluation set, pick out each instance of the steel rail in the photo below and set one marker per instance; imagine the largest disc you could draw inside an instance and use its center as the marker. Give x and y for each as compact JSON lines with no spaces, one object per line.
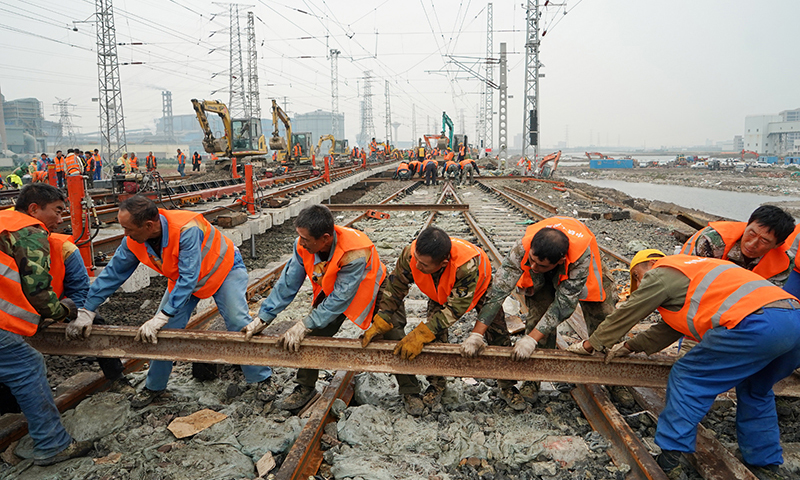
{"x":420,"y":207}
{"x":490,"y":247}
{"x":532,"y":199}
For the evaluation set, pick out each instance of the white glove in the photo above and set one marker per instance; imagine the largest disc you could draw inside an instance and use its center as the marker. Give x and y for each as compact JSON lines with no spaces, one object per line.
{"x":578,"y":348}
{"x":473,"y":345}
{"x":254,"y":328}
{"x":292,"y":338}
{"x":618,"y":350}
{"x":524,"y":348}
{"x":81,"y":327}
{"x":147,"y":332}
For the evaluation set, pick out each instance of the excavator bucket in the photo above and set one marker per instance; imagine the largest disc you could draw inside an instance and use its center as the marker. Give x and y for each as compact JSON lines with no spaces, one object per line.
{"x":277,"y":143}
{"x":441,"y":143}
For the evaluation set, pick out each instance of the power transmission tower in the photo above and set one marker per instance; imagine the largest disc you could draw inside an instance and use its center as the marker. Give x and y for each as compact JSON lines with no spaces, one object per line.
{"x":388,"y":115}
{"x":253,"y":94}
{"x":502,"y":130}
{"x":413,"y":125}
{"x":167,"y":122}
{"x":335,"y":93}
{"x":66,"y":135}
{"x":237,"y":103}
{"x":530,"y":123}
{"x":488,"y":114}
{"x":112,"y":121}
{"x":367,"y":125}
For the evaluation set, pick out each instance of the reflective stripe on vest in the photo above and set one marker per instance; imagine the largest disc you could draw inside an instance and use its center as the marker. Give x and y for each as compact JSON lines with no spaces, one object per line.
{"x":17,"y":315}
{"x":216,"y":255}
{"x":72,"y":165}
{"x":362,"y":305}
{"x":461,"y":252}
{"x":580,"y":239}
{"x":720,"y":294}
{"x":774,"y":262}
{"x":57,"y":268}
{"x":181,"y":159}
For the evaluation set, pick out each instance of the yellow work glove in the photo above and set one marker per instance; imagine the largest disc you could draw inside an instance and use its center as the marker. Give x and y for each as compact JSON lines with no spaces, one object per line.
{"x":379,"y":327}
{"x":411,"y":345}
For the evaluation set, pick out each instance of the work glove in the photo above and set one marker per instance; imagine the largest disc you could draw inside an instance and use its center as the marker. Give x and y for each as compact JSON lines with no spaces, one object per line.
{"x":292,"y":338}
{"x":618,"y":350}
{"x":70,"y":307}
{"x":81,"y":327}
{"x":524,"y":348}
{"x":254,"y":328}
{"x":379,"y":327}
{"x":578,"y":348}
{"x":148,"y":331}
{"x":411,"y":345}
{"x":473,"y":345}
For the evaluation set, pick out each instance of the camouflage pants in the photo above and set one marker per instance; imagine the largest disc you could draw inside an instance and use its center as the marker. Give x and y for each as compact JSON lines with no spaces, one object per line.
{"x":467,"y":173}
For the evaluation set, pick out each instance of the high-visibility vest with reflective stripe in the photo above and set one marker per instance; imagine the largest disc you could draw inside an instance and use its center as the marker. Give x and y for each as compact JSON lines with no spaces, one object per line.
{"x":791,"y":244}
{"x":17,"y":315}
{"x":59,"y":163}
{"x":134,"y":162}
{"x":216,"y":252}
{"x":57,"y":258}
{"x":297,"y":150}
{"x":772,"y":263}
{"x":720,"y":294}
{"x":181,"y":159}
{"x":461,"y":251}
{"x":426,"y":162}
{"x":361,"y":306}
{"x":580,"y":239}
{"x":72,"y":165}
{"x":413,"y":165}
{"x":402,"y":166}
{"x":447,"y":165}
{"x":150,"y":161}
{"x":465,"y":162}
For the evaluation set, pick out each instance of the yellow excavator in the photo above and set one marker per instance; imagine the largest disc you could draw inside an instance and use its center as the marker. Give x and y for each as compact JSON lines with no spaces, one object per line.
{"x":286,"y":146}
{"x":242,"y":139}
{"x":339,"y":148}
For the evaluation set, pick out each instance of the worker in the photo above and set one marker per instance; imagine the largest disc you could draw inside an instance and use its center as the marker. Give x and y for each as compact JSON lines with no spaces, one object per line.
{"x":98,"y":165}
{"x":196,"y":160}
{"x":134,"y":163}
{"x":452,"y":170}
{"x":198,"y":261}
{"x":32,"y":166}
{"x":150,"y":162}
{"x":455,"y":275}
{"x":43,"y":162}
{"x":430,"y":167}
{"x":347,"y":277}
{"x":415,"y":166}
{"x":123,"y":164}
{"x":59,"y":163}
{"x":13,"y":181}
{"x":181,"y":163}
{"x":468,"y":168}
{"x":274,"y":155}
{"x":402,"y":172}
{"x":757,"y":245}
{"x":373,"y":147}
{"x":449,"y":155}
{"x":555,"y":266}
{"x":356,"y":155}
{"x":297,"y":151}
{"x":89,"y":170}
{"x":39,"y":177}
{"x":28,"y":297}
{"x":749,"y":338}
{"x":462,"y":152}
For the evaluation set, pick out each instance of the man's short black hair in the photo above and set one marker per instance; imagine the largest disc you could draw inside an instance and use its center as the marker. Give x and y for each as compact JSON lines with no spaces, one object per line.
{"x":317,"y":219}
{"x":774,"y":218}
{"x":435,"y":243}
{"x":41,"y":194}
{"x":551,"y":244}
{"x":58,"y":151}
{"x":140,"y":208}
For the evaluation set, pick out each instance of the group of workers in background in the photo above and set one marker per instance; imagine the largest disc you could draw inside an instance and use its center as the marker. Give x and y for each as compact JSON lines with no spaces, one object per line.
{"x":75,"y":162}
{"x":460,"y":169}
{"x":723,"y":291}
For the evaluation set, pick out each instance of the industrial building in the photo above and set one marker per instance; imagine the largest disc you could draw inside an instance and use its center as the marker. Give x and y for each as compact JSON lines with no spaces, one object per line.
{"x":773,"y":134}
{"x":24,"y":129}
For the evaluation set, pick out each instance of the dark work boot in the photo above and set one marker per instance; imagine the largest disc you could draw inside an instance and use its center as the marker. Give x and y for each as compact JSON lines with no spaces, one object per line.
{"x":513,"y":398}
{"x":75,"y":449}
{"x":670,"y":462}
{"x":145,"y":397}
{"x":298,"y":399}
{"x":433,"y":395}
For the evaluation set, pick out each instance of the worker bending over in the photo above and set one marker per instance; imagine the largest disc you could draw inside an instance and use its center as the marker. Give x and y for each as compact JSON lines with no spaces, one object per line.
{"x":452,"y":170}
{"x":403,"y":172}
{"x":749,"y":338}
{"x":346,"y":275}
{"x":468,"y":168}
{"x":198,"y":261}
{"x":430,"y":168}
{"x":455,"y":275}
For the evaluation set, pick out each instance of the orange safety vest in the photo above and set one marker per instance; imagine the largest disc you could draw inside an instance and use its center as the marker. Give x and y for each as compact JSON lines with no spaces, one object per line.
{"x":217,"y":252}
{"x":465,"y":162}
{"x":791,"y":243}
{"x":181,"y":159}
{"x":57,"y":267}
{"x":72,"y":165}
{"x":426,"y":162}
{"x":462,"y":150}
{"x":59,"y":163}
{"x":461,"y":251}
{"x":150,"y":161}
{"x":347,"y":239}
{"x":772,"y":263}
{"x":450,"y":162}
{"x":580,"y":238}
{"x":413,"y":165}
{"x":402,"y":166}
{"x":720,"y":294}
{"x":297,"y":150}
{"x":17,"y":315}
{"x":449,"y":156}
{"x":39,"y":177}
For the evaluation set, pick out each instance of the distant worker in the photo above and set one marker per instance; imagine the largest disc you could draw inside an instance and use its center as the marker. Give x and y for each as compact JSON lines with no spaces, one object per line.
{"x":59,"y":163}
{"x":462,"y":152}
{"x":89,"y":170}
{"x":43,"y":162}
{"x":181,"y":163}
{"x":123,"y":164}
{"x":452,"y":170}
{"x":415,"y":166}
{"x":297,"y":151}
{"x":274,"y":155}
{"x":430,"y":167}
{"x":98,"y":165}
{"x":449,"y":155}
{"x":198,"y":261}
{"x":196,"y":160}
{"x":373,"y":148}
{"x":402,"y":172}
{"x":134,"y":163}
{"x":347,"y":278}
{"x":420,"y":152}
{"x":468,"y":168}
{"x":756,"y":245}
{"x":748,"y":334}
{"x":150,"y":162}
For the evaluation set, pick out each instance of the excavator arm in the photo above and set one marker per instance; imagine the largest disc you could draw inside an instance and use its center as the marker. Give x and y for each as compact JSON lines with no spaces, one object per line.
{"x":553,"y":157}
{"x":447,"y":123}
{"x":218,"y":146}
{"x":276,"y":142}
{"x":324,"y":138}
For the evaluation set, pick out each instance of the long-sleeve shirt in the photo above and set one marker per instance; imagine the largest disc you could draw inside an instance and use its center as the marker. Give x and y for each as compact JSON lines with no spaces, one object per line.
{"x":124,"y":263}
{"x":76,"y":278}
{"x":30,"y":249}
{"x":439,"y":319}
{"x":348,"y":278}
{"x":567,"y":292}
{"x":660,"y":287}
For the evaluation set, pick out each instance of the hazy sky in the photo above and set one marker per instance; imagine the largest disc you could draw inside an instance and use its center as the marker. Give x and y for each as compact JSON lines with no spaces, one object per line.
{"x":617,"y":72}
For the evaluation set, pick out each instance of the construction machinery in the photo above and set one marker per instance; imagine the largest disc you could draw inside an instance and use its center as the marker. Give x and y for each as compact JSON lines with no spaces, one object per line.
{"x":339,"y":148}
{"x":446,"y":139}
{"x":286,"y":146}
{"x":543,"y":170}
{"x":598,"y":155}
{"x":242,"y":139}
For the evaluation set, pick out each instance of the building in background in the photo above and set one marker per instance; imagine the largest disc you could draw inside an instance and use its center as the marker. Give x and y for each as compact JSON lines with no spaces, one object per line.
{"x":773,"y":134}
{"x":26,"y":130}
{"x":318,"y":123}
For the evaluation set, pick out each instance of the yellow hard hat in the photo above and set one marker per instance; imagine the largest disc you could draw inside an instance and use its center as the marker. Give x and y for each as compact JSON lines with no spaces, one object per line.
{"x":641,"y":257}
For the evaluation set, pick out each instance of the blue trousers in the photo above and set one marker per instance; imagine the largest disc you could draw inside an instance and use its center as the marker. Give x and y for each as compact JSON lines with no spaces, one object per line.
{"x":761,"y":350}
{"x":232,"y":304}
{"x":792,"y":284}
{"x":23,"y":370}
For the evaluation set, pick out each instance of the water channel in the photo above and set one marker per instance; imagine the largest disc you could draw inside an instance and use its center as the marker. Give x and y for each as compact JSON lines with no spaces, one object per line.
{"x":734,"y":205}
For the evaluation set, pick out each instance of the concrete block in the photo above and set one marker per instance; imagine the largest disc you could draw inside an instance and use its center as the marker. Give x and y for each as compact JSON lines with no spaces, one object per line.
{"x":233,"y":234}
{"x":245,"y":231}
{"x":260,"y":224}
{"x":139,"y":280}
{"x":278,"y":215}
